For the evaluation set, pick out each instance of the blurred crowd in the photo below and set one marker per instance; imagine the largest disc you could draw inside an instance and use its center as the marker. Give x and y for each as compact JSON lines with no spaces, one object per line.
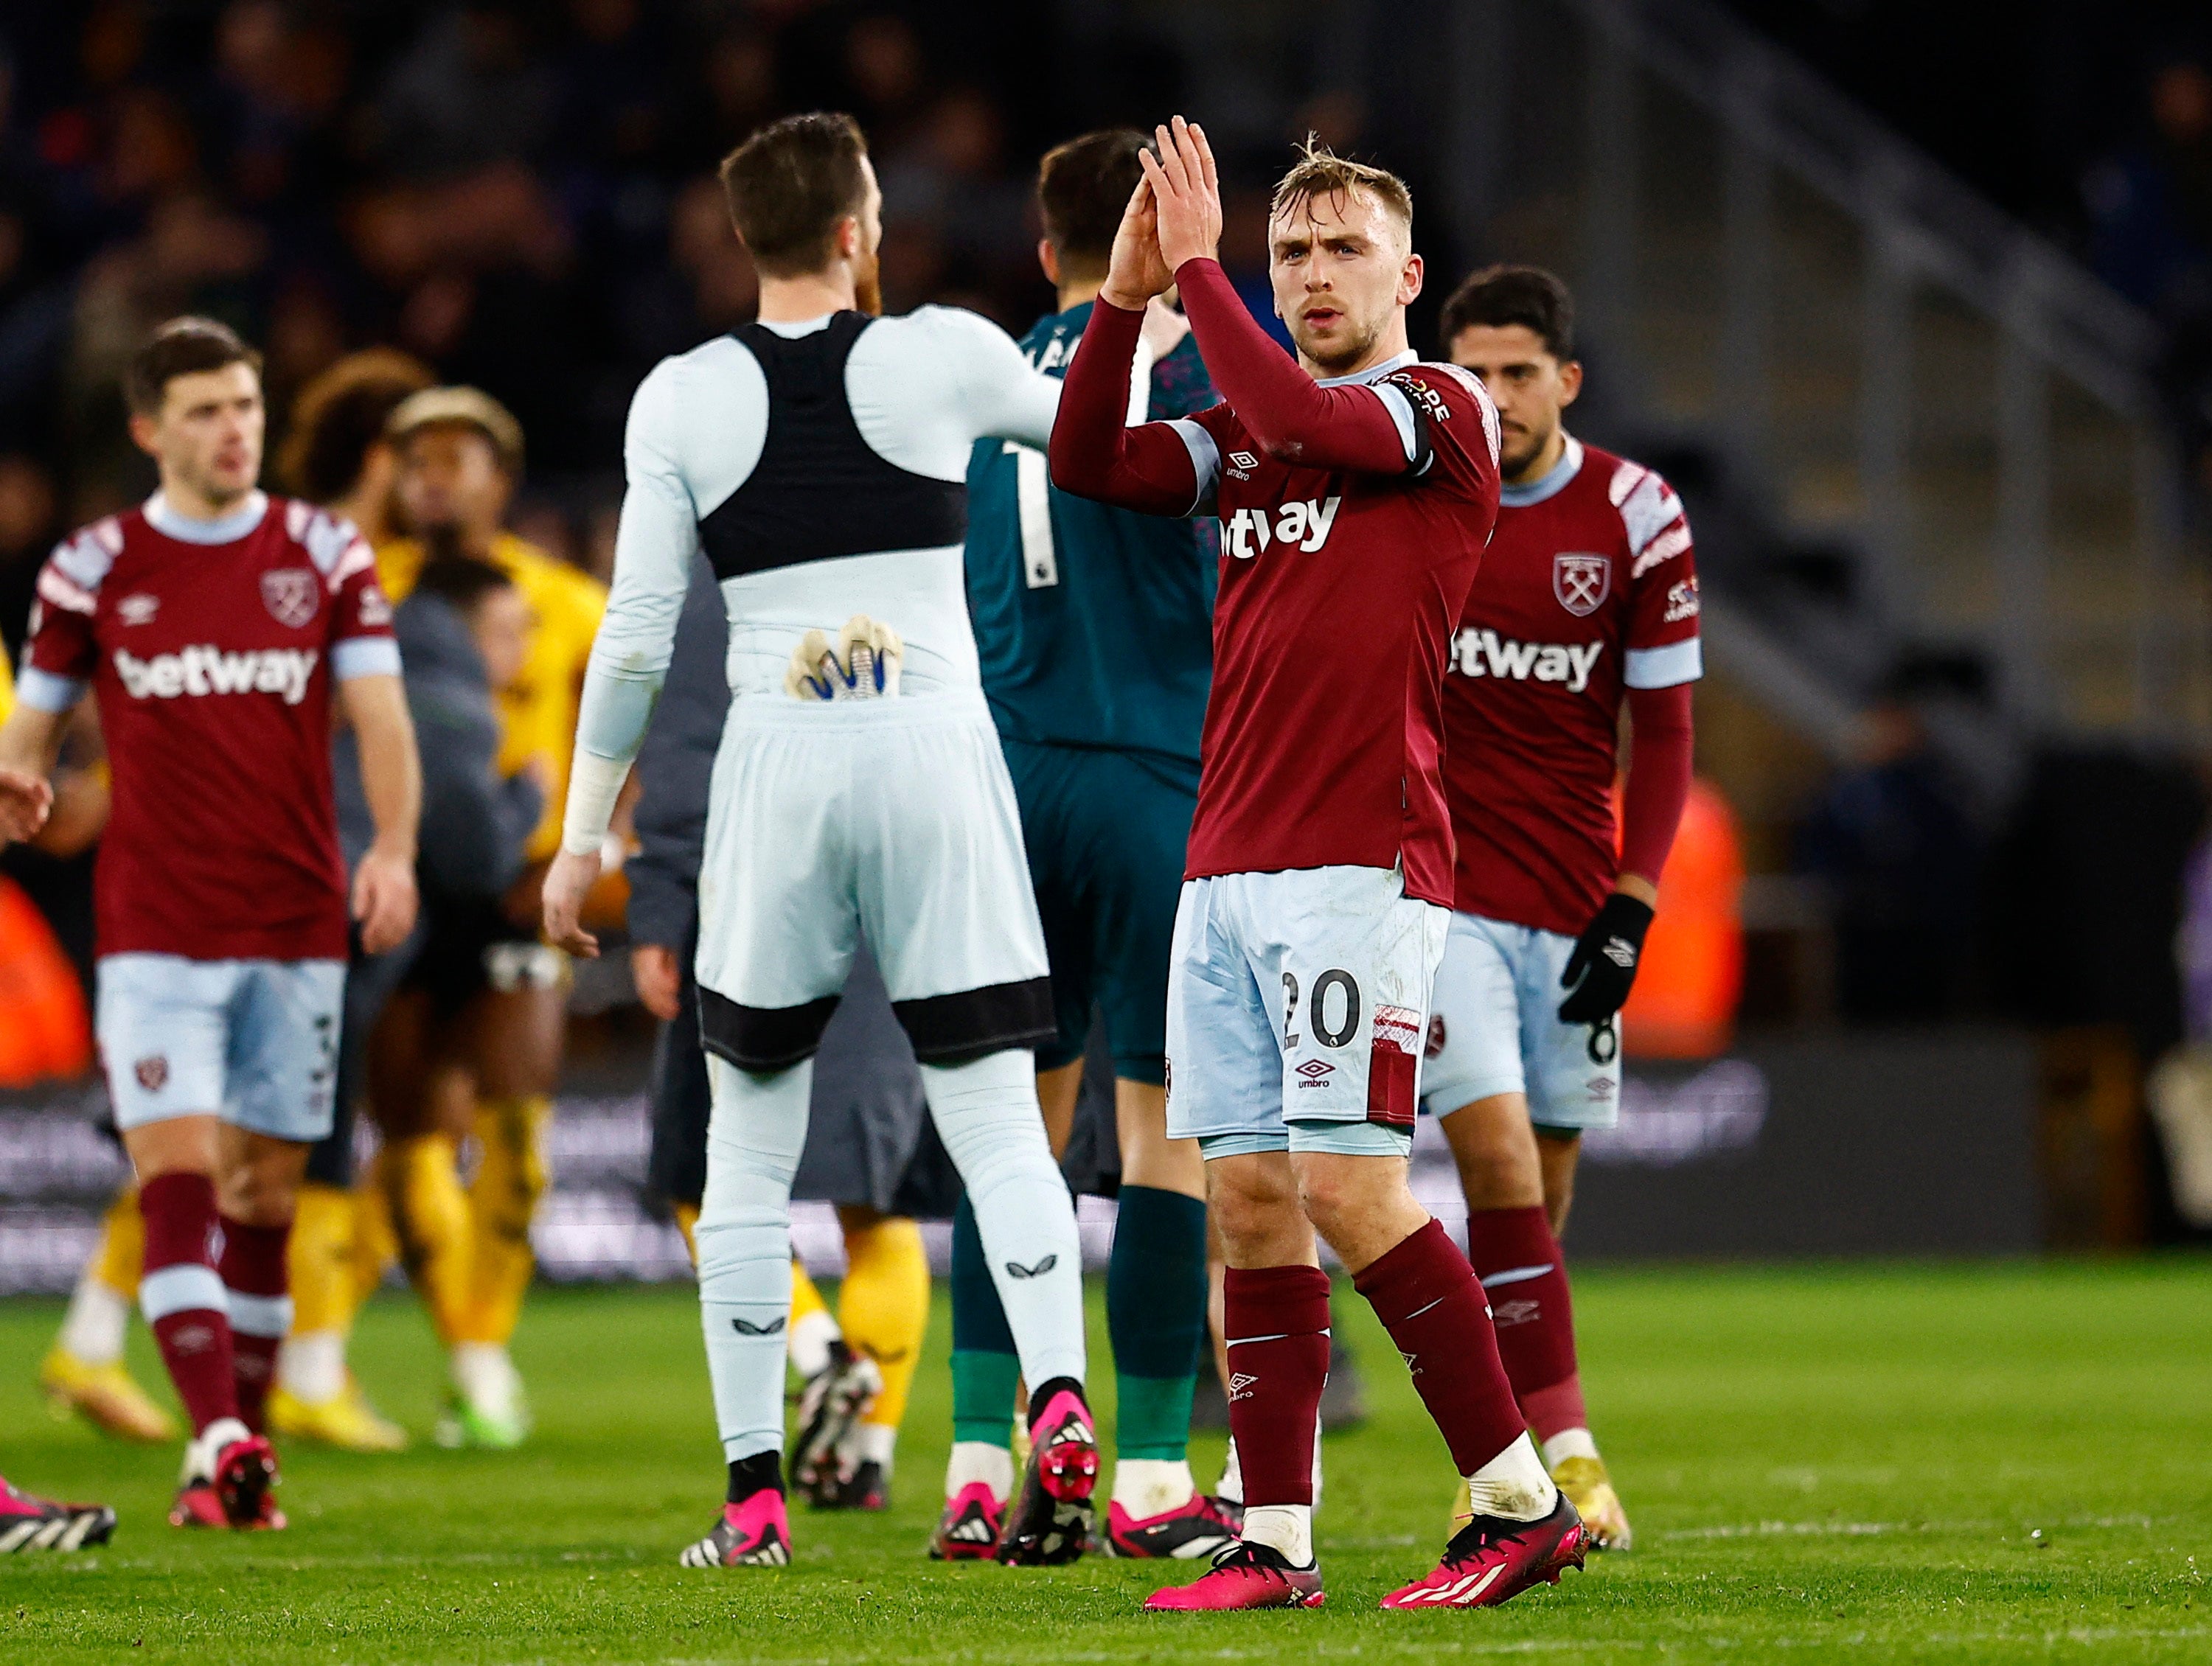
{"x":2149,"y":211}
{"x":520,"y":195}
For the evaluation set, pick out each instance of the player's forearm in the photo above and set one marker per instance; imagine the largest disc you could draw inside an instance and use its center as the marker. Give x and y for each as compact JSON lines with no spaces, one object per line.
{"x":390,"y":766}
{"x":1658,"y":783}
{"x":31,"y":739}
{"x":1094,"y":453}
{"x":1293,"y":417}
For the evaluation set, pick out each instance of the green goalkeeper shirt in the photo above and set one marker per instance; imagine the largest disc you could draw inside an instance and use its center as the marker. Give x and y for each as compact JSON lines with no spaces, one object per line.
{"x":1093,"y":625}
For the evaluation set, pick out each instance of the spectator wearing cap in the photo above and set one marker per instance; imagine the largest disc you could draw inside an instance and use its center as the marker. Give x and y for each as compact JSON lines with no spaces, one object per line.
{"x":460,"y":456}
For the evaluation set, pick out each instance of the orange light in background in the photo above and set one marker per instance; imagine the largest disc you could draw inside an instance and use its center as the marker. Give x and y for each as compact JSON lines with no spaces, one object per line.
{"x":1684,"y":1004}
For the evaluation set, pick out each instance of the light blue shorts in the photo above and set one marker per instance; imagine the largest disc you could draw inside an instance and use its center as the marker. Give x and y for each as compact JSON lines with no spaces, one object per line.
{"x":255,"y":1042}
{"x":1295,"y":1005}
{"x":1497,"y":1030}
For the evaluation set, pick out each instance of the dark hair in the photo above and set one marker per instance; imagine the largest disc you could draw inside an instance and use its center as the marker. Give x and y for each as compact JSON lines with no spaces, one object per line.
{"x":1082,"y":188}
{"x":462,"y":581}
{"x":1526,"y":295}
{"x":339,"y":415}
{"x":182,"y":346}
{"x":790,"y":184}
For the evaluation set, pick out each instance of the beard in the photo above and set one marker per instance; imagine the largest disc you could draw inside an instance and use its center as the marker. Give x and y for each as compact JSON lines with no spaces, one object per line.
{"x":1517,"y":450}
{"x":868,"y":287}
{"x":1342,"y":355}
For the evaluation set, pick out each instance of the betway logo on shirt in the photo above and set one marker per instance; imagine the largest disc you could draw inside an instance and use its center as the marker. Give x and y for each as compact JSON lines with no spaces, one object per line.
{"x":1486,"y":654}
{"x":1304,"y":525}
{"x":211,"y":670}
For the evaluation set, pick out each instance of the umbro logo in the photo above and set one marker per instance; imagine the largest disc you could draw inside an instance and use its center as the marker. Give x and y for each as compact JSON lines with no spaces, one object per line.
{"x":1504,"y":1314}
{"x":1015,"y":1270}
{"x":1620,"y":951}
{"x":1241,"y":464}
{"x":1316,"y":1072}
{"x":138,"y":609}
{"x":1241,"y":1384}
{"x":747,"y":1328}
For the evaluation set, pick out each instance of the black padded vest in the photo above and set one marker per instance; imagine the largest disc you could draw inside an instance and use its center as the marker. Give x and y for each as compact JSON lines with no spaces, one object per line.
{"x":820,"y":490}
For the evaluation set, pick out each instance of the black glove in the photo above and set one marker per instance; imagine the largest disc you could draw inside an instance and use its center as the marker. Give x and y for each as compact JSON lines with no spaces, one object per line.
{"x":1603,"y":968}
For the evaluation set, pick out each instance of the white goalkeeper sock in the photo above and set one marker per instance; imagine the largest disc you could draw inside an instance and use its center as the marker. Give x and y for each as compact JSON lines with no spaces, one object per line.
{"x":754,"y":1137}
{"x":987,"y":1114}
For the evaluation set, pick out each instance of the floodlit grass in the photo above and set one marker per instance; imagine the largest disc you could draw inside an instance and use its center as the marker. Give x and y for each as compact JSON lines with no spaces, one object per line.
{"x":1822,"y":1464}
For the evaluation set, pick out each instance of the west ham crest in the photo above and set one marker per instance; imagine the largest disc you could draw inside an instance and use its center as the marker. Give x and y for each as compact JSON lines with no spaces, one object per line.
{"x":290,"y":593}
{"x":152,"y":1071}
{"x":1582,"y":582}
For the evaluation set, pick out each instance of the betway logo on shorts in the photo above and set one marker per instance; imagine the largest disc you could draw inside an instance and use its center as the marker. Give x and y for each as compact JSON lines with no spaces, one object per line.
{"x":1304,"y":525}
{"x":211,"y":670}
{"x":1486,"y":654}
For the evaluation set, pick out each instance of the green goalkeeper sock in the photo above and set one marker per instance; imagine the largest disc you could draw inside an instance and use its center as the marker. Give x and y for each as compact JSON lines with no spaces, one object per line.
{"x":985,"y":1369}
{"x":1155,"y":1315}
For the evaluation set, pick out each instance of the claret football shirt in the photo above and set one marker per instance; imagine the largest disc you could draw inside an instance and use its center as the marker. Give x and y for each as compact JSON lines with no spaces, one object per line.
{"x":1339,"y":590}
{"x":211,"y":647}
{"x":1589,"y":589}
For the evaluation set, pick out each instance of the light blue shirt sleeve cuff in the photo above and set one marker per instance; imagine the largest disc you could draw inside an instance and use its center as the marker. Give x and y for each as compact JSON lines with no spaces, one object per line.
{"x":365,"y":656}
{"x":1664,"y":668}
{"x":1204,"y":461}
{"x":1401,"y":413}
{"x":47,"y":691}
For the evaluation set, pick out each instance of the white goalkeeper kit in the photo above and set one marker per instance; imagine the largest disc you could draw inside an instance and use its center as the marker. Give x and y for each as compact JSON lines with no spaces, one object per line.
{"x":822,"y":467}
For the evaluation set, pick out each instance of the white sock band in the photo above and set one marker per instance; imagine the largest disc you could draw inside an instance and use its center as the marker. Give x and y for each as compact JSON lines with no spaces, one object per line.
{"x":311,"y":1365}
{"x":1513,"y":1484}
{"x":979,"y":1460}
{"x":810,"y":1337}
{"x":1285,"y":1526}
{"x":93,"y":1331}
{"x":1148,"y":1487}
{"x":1566,"y":1443}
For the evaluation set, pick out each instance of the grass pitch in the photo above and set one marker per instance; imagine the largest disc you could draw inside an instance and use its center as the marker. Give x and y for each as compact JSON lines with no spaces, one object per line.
{"x":2010,"y":1463}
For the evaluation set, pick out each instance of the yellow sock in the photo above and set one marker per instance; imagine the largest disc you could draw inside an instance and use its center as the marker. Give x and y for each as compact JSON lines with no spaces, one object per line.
{"x":687,"y":1222}
{"x":805,"y":1298}
{"x":420,"y":1179}
{"x":883,"y":1307}
{"x":503,"y":1199}
{"x":120,"y":1259}
{"x":319,"y":1260}
{"x":375,"y":1241}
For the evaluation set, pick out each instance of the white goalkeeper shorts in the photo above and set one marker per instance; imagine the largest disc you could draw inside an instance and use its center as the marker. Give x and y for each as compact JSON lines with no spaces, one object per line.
{"x":894,"y":816}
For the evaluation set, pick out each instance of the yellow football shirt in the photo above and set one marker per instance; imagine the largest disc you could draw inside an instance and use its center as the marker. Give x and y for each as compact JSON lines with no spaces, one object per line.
{"x":538,"y":714}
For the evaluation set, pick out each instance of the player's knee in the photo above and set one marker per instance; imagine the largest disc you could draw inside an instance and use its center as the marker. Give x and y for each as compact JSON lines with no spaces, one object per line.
{"x":1252,"y":1207}
{"x":258,"y":1194}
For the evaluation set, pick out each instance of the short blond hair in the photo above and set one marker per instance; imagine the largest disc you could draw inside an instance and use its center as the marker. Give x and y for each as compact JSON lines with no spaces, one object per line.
{"x":1320,"y":172}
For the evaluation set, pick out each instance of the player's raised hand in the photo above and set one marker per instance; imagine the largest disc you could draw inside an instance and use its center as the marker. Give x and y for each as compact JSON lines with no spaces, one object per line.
{"x":384,"y":899}
{"x":568,"y":882}
{"x":1187,"y":193}
{"x":1134,"y":272}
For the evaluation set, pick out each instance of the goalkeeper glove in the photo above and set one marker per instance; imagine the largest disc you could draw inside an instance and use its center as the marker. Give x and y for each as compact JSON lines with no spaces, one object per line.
{"x":863,"y":663}
{"x":1603,"y":968}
